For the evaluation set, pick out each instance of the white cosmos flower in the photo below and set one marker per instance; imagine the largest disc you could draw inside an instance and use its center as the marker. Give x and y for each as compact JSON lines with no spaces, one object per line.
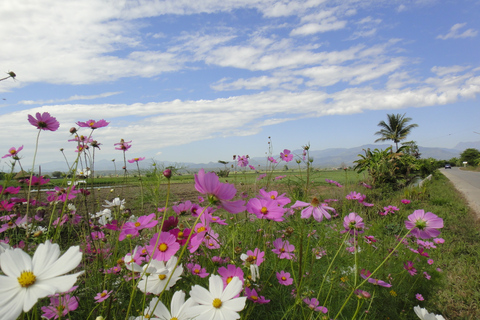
{"x":156,"y":276}
{"x":423,"y":314}
{"x":115,"y":203}
{"x":218,"y":304}
{"x":179,"y":308}
{"x":26,"y":280}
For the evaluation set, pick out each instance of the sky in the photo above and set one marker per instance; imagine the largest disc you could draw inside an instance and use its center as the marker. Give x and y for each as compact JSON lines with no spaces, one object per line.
{"x":200,"y":81}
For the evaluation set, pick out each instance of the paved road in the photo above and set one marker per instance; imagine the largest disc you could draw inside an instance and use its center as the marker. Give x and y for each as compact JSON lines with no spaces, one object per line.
{"x":468,"y":183}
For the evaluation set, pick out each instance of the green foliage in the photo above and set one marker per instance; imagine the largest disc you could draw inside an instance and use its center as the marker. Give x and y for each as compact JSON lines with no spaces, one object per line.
{"x":471,"y":155}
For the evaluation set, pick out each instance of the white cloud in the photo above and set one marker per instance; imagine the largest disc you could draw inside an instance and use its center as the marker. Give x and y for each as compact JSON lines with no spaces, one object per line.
{"x":455,"y":32}
{"x":72,"y":98}
{"x":441,"y":71}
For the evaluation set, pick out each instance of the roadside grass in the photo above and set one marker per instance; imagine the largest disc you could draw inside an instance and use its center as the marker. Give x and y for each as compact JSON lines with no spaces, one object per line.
{"x":459,"y":257}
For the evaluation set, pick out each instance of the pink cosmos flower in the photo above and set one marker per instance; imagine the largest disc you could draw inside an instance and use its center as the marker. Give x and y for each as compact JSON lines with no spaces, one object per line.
{"x":314,"y":305}
{"x":430,"y":261}
{"x":405,"y":201}
{"x":59,"y":306}
{"x":438,"y":240}
{"x":426,"y":275}
{"x":419,"y":297}
{"x":12,"y":152}
{"x":162,"y":247}
{"x":197,"y":270}
{"x":366,"y":275}
{"x":283,"y":249}
{"x":319,"y":210}
{"x":102,"y":296}
{"x":212,"y":240}
{"x":266,"y":209}
{"x":123,"y":145}
{"x":286,"y":155}
{"x":409,"y":267}
{"x":254,"y":257}
{"x":355,"y":196}
{"x":252,"y":295}
{"x":83,"y":139}
{"x":229,"y":272}
{"x":353,"y":223}
{"x":251,"y":167}
{"x":61,"y":194}
{"x":242,"y":161}
{"x":182,"y":208}
{"x":281,"y":199}
{"x":44,"y":121}
{"x":280,"y":177}
{"x":284,"y":278}
{"x":389,"y":209}
{"x":260,"y":177}
{"x":424,"y":225}
{"x":334,"y":182}
{"x":134,"y":228}
{"x":136,"y":160}
{"x":218,"y":193}
{"x":93,"y":124}
{"x":37,"y":181}
{"x":272,"y":160}
{"x":9,"y":190}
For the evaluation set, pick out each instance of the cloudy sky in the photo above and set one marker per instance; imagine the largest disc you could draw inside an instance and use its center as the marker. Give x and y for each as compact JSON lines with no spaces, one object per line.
{"x":199,"y":81}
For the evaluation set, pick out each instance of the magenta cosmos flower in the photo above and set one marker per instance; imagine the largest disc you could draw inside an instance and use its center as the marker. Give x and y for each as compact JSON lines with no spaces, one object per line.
{"x":229,"y":273}
{"x":44,"y":121}
{"x":266,"y":209}
{"x":353,"y":223}
{"x":242,"y":161}
{"x":286,"y":155}
{"x":283,"y":249}
{"x":319,"y":210}
{"x":252,"y":295}
{"x":281,"y":199}
{"x":313,"y":304}
{"x":218,"y":193}
{"x":424,"y":225}
{"x":123,"y":145}
{"x":12,"y":152}
{"x":284,"y":278}
{"x":136,"y":160}
{"x":102,"y":296}
{"x":93,"y":124}
{"x":163,"y":247}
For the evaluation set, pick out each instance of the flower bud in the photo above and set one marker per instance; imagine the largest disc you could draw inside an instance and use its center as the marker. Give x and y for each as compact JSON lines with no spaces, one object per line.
{"x":167,"y":173}
{"x":73,"y":130}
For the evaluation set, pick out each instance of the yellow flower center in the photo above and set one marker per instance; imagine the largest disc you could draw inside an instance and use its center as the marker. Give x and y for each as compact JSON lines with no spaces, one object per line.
{"x":229,"y":279}
{"x":284,"y":278}
{"x":264,"y":210}
{"x":91,"y":124}
{"x":13,"y":151}
{"x":315,"y":202}
{"x":201,"y":229}
{"x":163,"y":247}
{"x":272,"y":196}
{"x":174,"y":318}
{"x":196,"y":271}
{"x":103,"y":294}
{"x":180,"y":235}
{"x":162,"y":276}
{"x":26,"y":279}
{"x":217,"y":303}
{"x":254,"y":298}
{"x":137,"y":224}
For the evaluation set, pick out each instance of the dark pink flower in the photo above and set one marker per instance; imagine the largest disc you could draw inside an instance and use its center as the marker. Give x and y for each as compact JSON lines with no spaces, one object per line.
{"x":314,"y":305}
{"x":37,"y":181}
{"x":102,"y":296}
{"x":405,"y":201}
{"x":61,"y":194}
{"x":162,"y":247}
{"x":315,"y":208}
{"x":252,"y":295}
{"x":272,"y":160}
{"x":419,"y":297}
{"x":12,"y":152}
{"x":286,"y":155}
{"x":133,"y":228}
{"x":44,"y":121}
{"x":284,"y":278}
{"x":424,"y":225}
{"x":218,"y":193}
{"x":197,"y":270}
{"x":366,"y":275}
{"x":93,"y":124}
{"x":136,"y":160}
{"x":409,"y":267}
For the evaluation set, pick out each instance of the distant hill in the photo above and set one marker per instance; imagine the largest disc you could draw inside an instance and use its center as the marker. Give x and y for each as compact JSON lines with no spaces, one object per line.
{"x":327,"y":158}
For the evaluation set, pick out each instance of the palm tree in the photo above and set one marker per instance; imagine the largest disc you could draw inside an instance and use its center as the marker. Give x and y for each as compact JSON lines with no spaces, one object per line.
{"x":396,"y":128}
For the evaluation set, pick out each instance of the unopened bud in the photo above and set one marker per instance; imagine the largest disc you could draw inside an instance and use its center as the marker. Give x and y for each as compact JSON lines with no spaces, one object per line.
{"x":167,"y":173}
{"x":73,"y":130}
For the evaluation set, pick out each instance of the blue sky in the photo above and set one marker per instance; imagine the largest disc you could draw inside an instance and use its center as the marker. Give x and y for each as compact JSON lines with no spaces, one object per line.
{"x":200,"y":81}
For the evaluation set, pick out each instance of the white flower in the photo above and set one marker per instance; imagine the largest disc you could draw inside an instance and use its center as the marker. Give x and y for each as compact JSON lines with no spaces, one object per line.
{"x":115,"y":203}
{"x":26,"y":280}
{"x":180,"y":309}
{"x":218,"y":304}
{"x":423,"y":314}
{"x":254,"y":271}
{"x":156,"y":277}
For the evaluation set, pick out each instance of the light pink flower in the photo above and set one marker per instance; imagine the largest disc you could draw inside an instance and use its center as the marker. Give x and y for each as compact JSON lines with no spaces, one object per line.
{"x":12,"y":152}
{"x":266,"y":209}
{"x":314,"y":305}
{"x":162,"y":247}
{"x":59,"y":306}
{"x":424,"y":225}
{"x":229,"y":272}
{"x":93,"y":124}
{"x":283,"y":249}
{"x":315,"y":208}
{"x":136,"y":160}
{"x":419,"y":297}
{"x":286,"y":155}
{"x":197,"y":270}
{"x":242,"y":161}
{"x":353,"y":223}
{"x":252,"y":295}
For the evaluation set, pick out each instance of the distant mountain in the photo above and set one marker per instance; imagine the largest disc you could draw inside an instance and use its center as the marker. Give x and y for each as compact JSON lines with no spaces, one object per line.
{"x":466,"y":145}
{"x":327,"y":158}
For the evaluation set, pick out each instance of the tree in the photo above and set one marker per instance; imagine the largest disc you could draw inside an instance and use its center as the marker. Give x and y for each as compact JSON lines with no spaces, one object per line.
{"x":470,"y":155}
{"x":396,"y":128}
